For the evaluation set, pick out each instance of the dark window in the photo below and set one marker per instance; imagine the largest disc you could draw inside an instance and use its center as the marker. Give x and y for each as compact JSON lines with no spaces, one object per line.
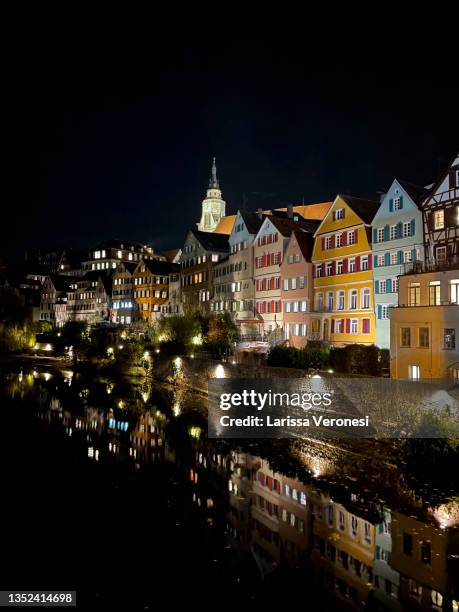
{"x":426,"y":553}
{"x":407,"y":544}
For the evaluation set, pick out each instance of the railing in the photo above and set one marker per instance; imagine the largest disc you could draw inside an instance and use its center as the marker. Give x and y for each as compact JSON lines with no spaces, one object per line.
{"x":418,"y":267}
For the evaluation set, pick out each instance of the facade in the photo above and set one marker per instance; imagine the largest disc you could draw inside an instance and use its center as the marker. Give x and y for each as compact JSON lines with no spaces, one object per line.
{"x":233,"y":278}
{"x":213,"y":206}
{"x":89,"y":298}
{"x":107,"y":255}
{"x":398,"y":242}
{"x":270,"y":245}
{"x":53,"y":301}
{"x":200,"y":253}
{"x":151,"y":288}
{"x":424,"y":326}
{"x":441,"y":219}
{"x":343,"y":277}
{"x":343,"y":550}
{"x":386,"y":579}
{"x":297,"y":288}
{"x":124,"y":307}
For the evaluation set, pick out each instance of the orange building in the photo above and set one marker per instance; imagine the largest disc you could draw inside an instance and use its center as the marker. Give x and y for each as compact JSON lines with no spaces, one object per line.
{"x":151,"y":288}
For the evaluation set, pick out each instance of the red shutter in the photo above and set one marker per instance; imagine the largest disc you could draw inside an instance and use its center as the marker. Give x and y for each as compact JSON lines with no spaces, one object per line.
{"x":357,"y":264}
{"x":280,"y":258}
{"x":280,"y":306}
{"x":370,"y":262}
{"x":269,"y":482}
{"x":334,"y":215}
{"x":263,"y":307}
{"x":348,"y":326}
{"x":323,"y":244}
{"x":333,"y":267}
{"x":366,"y":326}
{"x":276,"y":236}
{"x":343,"y":238}
{"x":277,"y":486}
{"x":345,"y":266}
{"x":272,"y":305}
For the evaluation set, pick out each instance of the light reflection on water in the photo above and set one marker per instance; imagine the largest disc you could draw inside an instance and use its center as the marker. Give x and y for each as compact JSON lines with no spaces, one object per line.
{"x":272,"y":509}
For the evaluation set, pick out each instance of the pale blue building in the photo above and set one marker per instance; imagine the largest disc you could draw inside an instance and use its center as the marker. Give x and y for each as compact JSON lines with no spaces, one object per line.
{"x":397,"y":243}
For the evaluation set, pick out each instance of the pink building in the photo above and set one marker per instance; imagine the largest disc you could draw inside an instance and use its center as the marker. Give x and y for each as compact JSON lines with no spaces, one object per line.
{"x":297,"y":288}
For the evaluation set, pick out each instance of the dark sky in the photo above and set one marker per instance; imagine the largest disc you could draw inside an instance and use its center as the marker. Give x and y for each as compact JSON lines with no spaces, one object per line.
{"x":110,"y":130}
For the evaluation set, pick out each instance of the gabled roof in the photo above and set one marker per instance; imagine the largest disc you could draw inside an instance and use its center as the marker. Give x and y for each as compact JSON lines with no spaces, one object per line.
{"x":305,"y":242}
{"x":313,"y":212}
{"x":156,"y":266}
{"x":443,"y":175}
{"x":252,"y":221}
{"x":365,"y":209}
{"x":171,"y":254}
{"x":286,"y":226}
{"x":129,"y":266}
{"x":416,"y":192}
{"x":225,"y":225}
{"x":211,"y":241}
{"x":61,"y":283}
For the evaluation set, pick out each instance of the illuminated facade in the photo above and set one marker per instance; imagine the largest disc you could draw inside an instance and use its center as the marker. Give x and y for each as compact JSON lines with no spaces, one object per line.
{"x":213,"y":206}
{"x":151,"y":288}
{"x":344,"y":310}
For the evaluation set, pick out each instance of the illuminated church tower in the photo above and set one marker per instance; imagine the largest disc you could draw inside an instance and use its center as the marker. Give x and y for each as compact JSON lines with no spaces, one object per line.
{"x":213,"y":207}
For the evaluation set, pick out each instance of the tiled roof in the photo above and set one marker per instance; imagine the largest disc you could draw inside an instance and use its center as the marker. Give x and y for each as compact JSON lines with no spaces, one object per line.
{"x":365,"y":209}
{"x":305,"y":242}
{"x":252,"y":221}
{"x":225,"y":225}
{"x":286,"y":226}
{"x":211,"y":241}
{"x":310,"y":212}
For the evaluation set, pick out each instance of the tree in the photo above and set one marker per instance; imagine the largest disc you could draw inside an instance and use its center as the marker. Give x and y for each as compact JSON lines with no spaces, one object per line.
{"x":221,"y":334}
{"x":16,"y":327}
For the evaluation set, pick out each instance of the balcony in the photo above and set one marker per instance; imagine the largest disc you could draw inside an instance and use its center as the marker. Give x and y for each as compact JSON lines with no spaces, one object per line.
{"x":420,"y":267}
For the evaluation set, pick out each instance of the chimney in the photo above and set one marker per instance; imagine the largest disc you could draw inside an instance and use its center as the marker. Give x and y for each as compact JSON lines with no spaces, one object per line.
{"x":290,"y":211}
{"x":260,"y":213}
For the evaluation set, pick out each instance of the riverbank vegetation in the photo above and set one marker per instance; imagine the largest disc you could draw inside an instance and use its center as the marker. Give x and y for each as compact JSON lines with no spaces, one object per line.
{"x":17,"y":330}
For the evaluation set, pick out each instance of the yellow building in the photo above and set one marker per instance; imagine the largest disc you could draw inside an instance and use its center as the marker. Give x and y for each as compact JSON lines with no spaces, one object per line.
{"x":343,"y":277}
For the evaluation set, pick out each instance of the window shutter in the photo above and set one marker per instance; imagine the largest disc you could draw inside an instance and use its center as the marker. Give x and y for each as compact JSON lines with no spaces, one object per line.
{"x":366,"y":326}
{"x":333,"y":268}
{"x":280,"y":258}
{"x":414,"y":254}
{"x":401,"y":202}
{"x":386,"y":232}
{"x":387,"y":259}
{"x":272,"y":305}
{"x":345,"y":266}
{"x":413,"y":226}
{"x":388,"y":285}
{"x":400,"y":257}
{"x":399,"y":230}
{"x":280,"y":306}
{"x":332,"y":242}
{"x":375,"y":235}
{"x":323,"y":244}
{"x":344,"y":239}
{"x":379,"y":311}
{"x":332,"y":326}
{"x":357,"y":264}
{"x":375,"y":257}
{"x":348,"y":326}
{"x":334,"y":215}
{"x":391,"y":205}
{"x":376,"y":286}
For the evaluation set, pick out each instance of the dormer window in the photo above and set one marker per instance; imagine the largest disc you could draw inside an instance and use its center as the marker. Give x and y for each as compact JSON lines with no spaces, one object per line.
{"x":397,"y":203}
{"x":339,"y":214}
{"x":328,"y":242}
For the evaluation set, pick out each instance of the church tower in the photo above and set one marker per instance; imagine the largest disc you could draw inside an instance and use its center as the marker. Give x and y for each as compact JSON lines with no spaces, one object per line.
{"x":213,"y":207}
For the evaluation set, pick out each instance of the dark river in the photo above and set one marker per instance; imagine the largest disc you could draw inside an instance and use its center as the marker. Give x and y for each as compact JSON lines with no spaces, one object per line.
{"x":113,"y":490}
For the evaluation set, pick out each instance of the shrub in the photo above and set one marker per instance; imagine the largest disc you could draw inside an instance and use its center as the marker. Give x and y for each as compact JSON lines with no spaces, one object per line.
{"x":358,"y":359}
{"x":290,"y":357}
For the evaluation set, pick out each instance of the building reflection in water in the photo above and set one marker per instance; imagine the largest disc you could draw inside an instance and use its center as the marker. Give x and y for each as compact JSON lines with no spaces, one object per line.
{"x":362,"y":555}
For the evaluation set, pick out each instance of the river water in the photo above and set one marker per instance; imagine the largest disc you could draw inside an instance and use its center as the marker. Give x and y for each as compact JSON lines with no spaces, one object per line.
{"x":112,"y":489}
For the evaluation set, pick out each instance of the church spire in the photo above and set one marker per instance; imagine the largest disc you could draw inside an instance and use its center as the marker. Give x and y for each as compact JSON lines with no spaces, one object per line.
{"x":213,"y":183}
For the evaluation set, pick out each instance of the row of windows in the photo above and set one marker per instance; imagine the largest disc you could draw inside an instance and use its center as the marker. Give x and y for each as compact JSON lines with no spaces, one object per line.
{"x":350,"y":326}
{"x":404,"y":229}
{"x":196,"y":261}
{"x":239,"y":246}
{"x":231,"y":305}
{"x":145,"y":293}
{"x":268,"y":239}
{"x":414,"y":293}
{"x":229,"y":288}
{"x":194,"y":279}
{"x":343,"y":266}
{"x":267,"y":284}
{"x":336,"y":241}
{"x":407,"y":338}
{"x":148,"y":280}
{"x":268,"y":307}
{"x":298,"y":282}
{"x":233,"y":267}
{"x":104,"y":265}
{"x":296,"y":306}
{"x":268,"y":259}
{"x":122,"y":304}
{"x":387,"y":285}
{"x":295,"y":329}
{"x":340,"y":304}
{"x":293,"y":258}
{"x":396,"y":258}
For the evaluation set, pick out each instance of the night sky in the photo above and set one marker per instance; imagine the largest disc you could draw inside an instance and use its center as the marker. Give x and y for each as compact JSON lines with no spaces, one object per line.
{"x":110,"y":131}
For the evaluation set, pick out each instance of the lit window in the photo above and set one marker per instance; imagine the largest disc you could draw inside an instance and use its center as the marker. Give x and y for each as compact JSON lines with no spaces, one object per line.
{"x":351,"y":237}
{"x":439,"y":219}
{"x":414,"y":372}
{"x":381,"y":234}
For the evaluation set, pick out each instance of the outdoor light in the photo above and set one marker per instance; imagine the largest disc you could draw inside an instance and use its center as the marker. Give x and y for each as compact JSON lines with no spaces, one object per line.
{"x":110,"y":350}
{"x":178,"y":362}
{"x":162,"y":338}
{"x":219,"y":372}
{"x":192,"y":356}
{"x":121,"y":404}
{"x":48,"y":347}
{"x":146,"y":355}
{"x":330,"y":371}
{"x":47,"y":376}
{"x":145,"y":397}
{"x":157,"y":351}
{"x":197,"y":340}
{"x":120,"y":346}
